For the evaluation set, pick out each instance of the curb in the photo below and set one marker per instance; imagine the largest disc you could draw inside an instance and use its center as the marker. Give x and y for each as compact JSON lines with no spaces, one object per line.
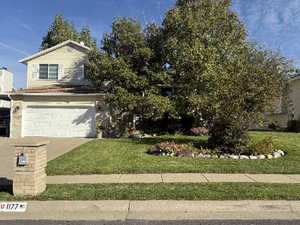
{"x":157,"y":210}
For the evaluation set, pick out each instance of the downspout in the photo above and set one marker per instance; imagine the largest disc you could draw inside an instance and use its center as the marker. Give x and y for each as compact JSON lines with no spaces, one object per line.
{"x":11,"y":116}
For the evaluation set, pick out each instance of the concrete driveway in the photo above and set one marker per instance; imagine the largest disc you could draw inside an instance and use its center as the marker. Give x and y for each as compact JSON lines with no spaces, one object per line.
{"x":56,"y":148}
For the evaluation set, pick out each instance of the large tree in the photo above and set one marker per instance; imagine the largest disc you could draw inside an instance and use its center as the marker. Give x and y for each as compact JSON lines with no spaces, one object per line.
{"x":201,"y":52}
{"x":59,"y":31}
{"x":220,"y":78}
{"x":131,"y":70}
{"x":62,"y":30}
{"x":86,"y":37}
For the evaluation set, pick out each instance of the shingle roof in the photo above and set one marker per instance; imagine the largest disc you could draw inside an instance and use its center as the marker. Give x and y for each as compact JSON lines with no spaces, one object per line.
{"x":25,"y":60}
{"x":82,"y":89}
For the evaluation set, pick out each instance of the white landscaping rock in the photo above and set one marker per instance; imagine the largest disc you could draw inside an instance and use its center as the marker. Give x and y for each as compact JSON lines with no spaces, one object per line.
{"x":276,"y":155}
{"x":147,"y":136}
{"x":234,"y":157}
{"x":200,"y":155}
{"x":244,"y":157}
{"x":281,"y":152}
{"x":261,"y":156}
{"x":253,"y":157}
{"x":206,"y":156}
{"x":214,"y":156}
{"x":222,"y":157}
{"x":269,"y":156}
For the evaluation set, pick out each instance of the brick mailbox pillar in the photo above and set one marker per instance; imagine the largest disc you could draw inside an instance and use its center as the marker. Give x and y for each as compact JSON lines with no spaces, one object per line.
{"x":30,"y":161}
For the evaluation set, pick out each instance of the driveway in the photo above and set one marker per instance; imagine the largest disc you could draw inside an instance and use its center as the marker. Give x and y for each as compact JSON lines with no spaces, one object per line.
{"x":56,"y":148}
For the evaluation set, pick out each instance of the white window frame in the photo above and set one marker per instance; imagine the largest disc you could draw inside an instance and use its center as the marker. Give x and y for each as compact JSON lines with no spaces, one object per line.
{"x":39,"y":77}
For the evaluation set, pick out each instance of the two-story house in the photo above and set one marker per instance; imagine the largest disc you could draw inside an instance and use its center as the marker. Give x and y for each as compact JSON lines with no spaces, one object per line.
{"x":58,"y":101}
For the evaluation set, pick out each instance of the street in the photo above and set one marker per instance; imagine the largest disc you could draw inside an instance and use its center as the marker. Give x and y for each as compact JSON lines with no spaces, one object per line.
{"x":144,"y":222}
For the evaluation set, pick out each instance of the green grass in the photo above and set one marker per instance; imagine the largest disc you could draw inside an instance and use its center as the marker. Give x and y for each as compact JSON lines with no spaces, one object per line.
{"x":110,"y":156}
{"x":175,"y":191}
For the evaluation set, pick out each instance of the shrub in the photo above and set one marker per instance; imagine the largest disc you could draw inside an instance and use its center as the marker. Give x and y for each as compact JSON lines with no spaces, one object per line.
{"x":274,"y":126}
{"x":180,"y":150}
{"x":263,"y":147}
{"x":199,"y":131}
{"x":228,"y":137}
{"x":170,"y":147}
{"x":293,"y":126}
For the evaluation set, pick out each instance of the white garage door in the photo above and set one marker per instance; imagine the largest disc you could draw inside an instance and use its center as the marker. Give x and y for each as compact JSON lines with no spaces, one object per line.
{"x":58,"y":122}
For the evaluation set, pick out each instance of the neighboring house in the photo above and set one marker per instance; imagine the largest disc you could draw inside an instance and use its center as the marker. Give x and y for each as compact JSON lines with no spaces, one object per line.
{"x":286,"y":111}
{"x":295,"y":97}
{"x":58,"y":101}
{"x":6,"y":85}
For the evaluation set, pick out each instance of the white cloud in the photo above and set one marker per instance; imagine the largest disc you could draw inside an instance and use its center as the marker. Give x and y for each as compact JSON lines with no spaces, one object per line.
{"x":26,"y":26}
{"x":272,"y":23}
{"x":21,"y":24}
{"x":13,"y":49}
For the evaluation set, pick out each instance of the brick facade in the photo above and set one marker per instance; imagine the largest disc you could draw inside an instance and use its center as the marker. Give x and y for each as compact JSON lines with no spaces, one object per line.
{"x":31,"y":178}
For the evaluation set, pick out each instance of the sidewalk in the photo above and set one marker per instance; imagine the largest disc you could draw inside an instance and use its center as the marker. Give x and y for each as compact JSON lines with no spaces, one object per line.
{"x":174,"y":178}
{"x":158,"y":210}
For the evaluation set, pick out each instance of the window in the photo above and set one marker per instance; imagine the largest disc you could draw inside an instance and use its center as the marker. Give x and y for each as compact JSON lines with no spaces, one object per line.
{"x":48,"y":72}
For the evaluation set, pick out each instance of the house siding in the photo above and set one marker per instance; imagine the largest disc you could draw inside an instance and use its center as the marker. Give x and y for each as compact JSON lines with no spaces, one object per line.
{"x":281,"y":117}
{"x":6,"y":85}
{"x":70,"y":57}
{"x":295,"y":97}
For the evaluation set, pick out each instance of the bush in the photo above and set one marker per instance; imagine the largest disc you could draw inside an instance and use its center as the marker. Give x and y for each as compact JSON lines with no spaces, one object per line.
{"x":274,"y":126}
{"x":263,"y":147}
{"x":133,"y":133}
{"x":293,"y":126}
{"x":180,"y":150}
{"x":230,"y":138}
{"x":199,"y":131}
{"x":172,"y":148}
{"x":166,"y":125}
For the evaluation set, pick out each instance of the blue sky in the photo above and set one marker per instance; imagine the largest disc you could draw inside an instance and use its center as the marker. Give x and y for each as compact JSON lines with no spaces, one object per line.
{"x":272,"y":23}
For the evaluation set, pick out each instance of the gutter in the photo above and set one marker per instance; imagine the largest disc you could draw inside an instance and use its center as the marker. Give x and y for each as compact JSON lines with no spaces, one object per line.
{"x":5,"y":96}
{"x":56,"y":94}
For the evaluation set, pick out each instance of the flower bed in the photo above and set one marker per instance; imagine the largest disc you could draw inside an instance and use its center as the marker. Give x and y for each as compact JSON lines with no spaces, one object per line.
{"x":189,"y":150}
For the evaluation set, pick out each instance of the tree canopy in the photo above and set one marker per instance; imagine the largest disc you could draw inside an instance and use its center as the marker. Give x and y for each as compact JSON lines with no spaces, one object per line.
{"x":128,"y":65}
{"x":62,"y":30}
{"x":220,"y":77}
{"x":201,"y":52}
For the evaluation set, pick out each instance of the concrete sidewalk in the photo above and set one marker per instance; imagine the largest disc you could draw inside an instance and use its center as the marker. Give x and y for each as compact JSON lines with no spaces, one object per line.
{"x":173,"y":178}
{"x":158,"y":210}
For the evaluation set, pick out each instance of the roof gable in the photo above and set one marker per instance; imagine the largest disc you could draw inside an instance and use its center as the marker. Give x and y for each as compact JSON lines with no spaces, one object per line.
{"x":46,"y":51}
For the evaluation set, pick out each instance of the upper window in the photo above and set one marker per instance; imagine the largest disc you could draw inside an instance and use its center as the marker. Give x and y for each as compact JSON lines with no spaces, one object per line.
{"x":48,"y":72}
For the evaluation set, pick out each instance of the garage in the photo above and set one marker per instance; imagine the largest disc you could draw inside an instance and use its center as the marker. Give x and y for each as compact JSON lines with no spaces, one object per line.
{"x":58,"y":121}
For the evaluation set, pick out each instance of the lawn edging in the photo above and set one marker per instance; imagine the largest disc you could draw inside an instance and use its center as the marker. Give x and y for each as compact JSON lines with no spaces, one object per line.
{"x":170,"y":191}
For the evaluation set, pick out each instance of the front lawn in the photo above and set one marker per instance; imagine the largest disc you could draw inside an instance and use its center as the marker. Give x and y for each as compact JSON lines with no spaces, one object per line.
{"x":115,"y":156}
{"x":186,"y":191}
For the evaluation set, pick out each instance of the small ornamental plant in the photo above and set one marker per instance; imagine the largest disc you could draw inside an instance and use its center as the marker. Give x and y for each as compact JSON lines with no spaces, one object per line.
{"x":132,"y":132}
{"x":199,"y":131}
{"x":99,"y":129}
{"x":98,"y":126}
{"x":263,"y":147}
